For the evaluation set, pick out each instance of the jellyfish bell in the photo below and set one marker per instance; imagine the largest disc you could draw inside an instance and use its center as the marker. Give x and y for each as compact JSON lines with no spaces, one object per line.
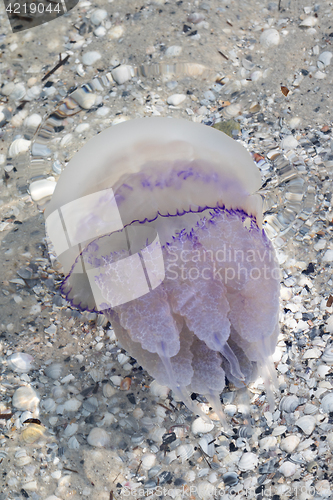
{"x":158,"y":224}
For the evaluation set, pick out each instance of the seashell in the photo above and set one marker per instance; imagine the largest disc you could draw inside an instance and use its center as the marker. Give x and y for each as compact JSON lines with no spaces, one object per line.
{"x":67,"y":139}
{"x":18,"y":92}
{"x":288,"y":468}
{"x":269,"y":38}
{"x":20,"y":362}
{"x":308,"y":22}
{"x":17,"y":147}
{"x":289,"y":403}
{"x":54,"y":371}
{"x":89,"y":58}
{"x":256,"y":75}
{"x":288,"y":143}
{"x":325,"y":58}
{"x":70,"y":430}
{"x":85,"y":99}
{"x":32,"y":433}
{"x":18,"y":118}
{"x":125,"y":384}
{"x":42,"y":189}
{"x":38,"y":149}
{"x":323,"y":488}
{"x":49,"y":405}
{"x":58,"y":392}
{"x":122,"y":74}
{"x":109,"y":391}
{"x":99,"y":438}
{"x":328,"y":355}
{"x":90,"y":405}
{"x":73,"y":443}
{"x":154,"y":471}
{"x":185,"y":451}
{"x":327,"y":403}
{"x":248,"y":461}
{"x":156,"y":434}
{"x":96,"y":375}
{"x":25,"y":398}
{"x":22,"y":460}
{"x":33,"y":121}
{"x":33,"y":93}
{"x":195,"y":18}
{"x":310,"y":409}
{"x":307,"y":424}
{"x":206,"y":443}
{"x":201,"y":426}
{"x":290,"y":443}
{"x":82,"y":127}
{"x":173,"y":51}
{"x":99,"y":32}
{"x":116,"y":32}
{"x":176,"y":99}
{"x":232,"y":110}
{"x":72,"y":404}
{"x":98,"y":16}
{"x":205,"y":490}
{"x":161,"y":148}
{"x":268,"y":443}
{"x":158,"y":390}
{"x":148,"y":461}
{"x":313,"y":353}
{"x":230,"y":478}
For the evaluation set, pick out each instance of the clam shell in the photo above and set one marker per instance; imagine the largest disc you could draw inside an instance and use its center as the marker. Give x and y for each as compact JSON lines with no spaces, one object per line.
{"x":49,"y":405}
{"x":71,"y":429}
{"x":206,"y":443}
{"x":185,"y":451}
{"x":201,"y":426}
{"x":32,"y":433}
{"x":33,"y":121}
{"x":85,"y":99}
{"x":72,"y":404}
{"x":116,"y":32}
{"x":248,"y":461}
{"x":288,"y":468}
{"x":20,"y":362}
{"x":269,"y":38}
{"x":41,"y":189}
{"x":54,"y":371}
{"x":73,"y":443}
{"x":99,"y":438}
{"x":308,"y":22}
{"x":289,"y":403}
{"x":148,"y":461}
{"x":18,"y":146}
{"x":328,"y":355}
{"x":89,"y":58}
{"x":290,"y":443}
{"x":25,"y":398}
{"x":122,"y":74}
{"x":230,"y":479}
{"x":98,"y":16}
{"x":310,"y":409}
{"x":306,"y":423}
{"x":327,"y":403}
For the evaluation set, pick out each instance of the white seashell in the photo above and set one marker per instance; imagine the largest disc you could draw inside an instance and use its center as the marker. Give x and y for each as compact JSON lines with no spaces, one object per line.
{"x":25,"y":398}
{"x":54,"y":371}
{"x":49,"y":405}
{"x":71,"y":429}
{"x":290,"y":443}
{"x":205,"y":490}
{"x":100,"y":31}
{"x":32,"y":433}
{"x":33,"y":93}
{"x":20,"y":362}
{"x":148,"y":461}
{"x":67,"y":139}
{"x":72,"y":404}
{"x":289,"y":403}
{"x":230,"y":410}
{"x":269,"y":38}
{"x":173,"y":51}
{"x":288,"y":143}
{"x":323,"y":488}
{"x":109,"y":391}
{"x":18,"y":92}
{"x":8,"y":88}
{"x":232,"y":110}
{"x":313,"y":353}
{"x":21,"y":461}
{"x":307,"y":424}
{"x":89,"y":58}
{"x":201,"y":426}
{"x":42,"y":189}
{"x":82,"y":128}
{"x":58,"y":392}
{"x":256,"y":75}
{"x":322,"y":371}
{"x":157,"y":433}
{"x":17,"y":147}
{"x":96,"y":375}
{"x":310,"y":409}
{"x":116,"y":32}
{"x":18,"y":118}
{"x":99,"y":437}
{"x":33,"y":121}
{"x":206,"y":443}
{"x":85,"y":99}
{"x":325,"y":58}
{"x":138,"y":413}
{"x":308,"y":22}
{"x":73,"y":443}
{"x":288,"y":468}
{"x":248,"y":461}
{"x":185,"y":451}
{"x":327,"y":403}
{"x":319,"y":75}
{"x":176,"y":99}
{"x":98,"y":16}
{"x":159,"y":390}
{"x":328,"y":355}
{"x":295,"y":122}
{"x":268,"y":443}
{"x":122,"y":74}
{"x":195,"y":18}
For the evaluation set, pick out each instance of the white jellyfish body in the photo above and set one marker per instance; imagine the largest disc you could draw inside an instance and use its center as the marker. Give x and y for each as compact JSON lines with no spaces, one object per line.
{"x":157,"y":223}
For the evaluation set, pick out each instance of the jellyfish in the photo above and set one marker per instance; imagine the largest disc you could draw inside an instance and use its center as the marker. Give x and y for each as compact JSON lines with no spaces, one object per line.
{"x":157,"y":223}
